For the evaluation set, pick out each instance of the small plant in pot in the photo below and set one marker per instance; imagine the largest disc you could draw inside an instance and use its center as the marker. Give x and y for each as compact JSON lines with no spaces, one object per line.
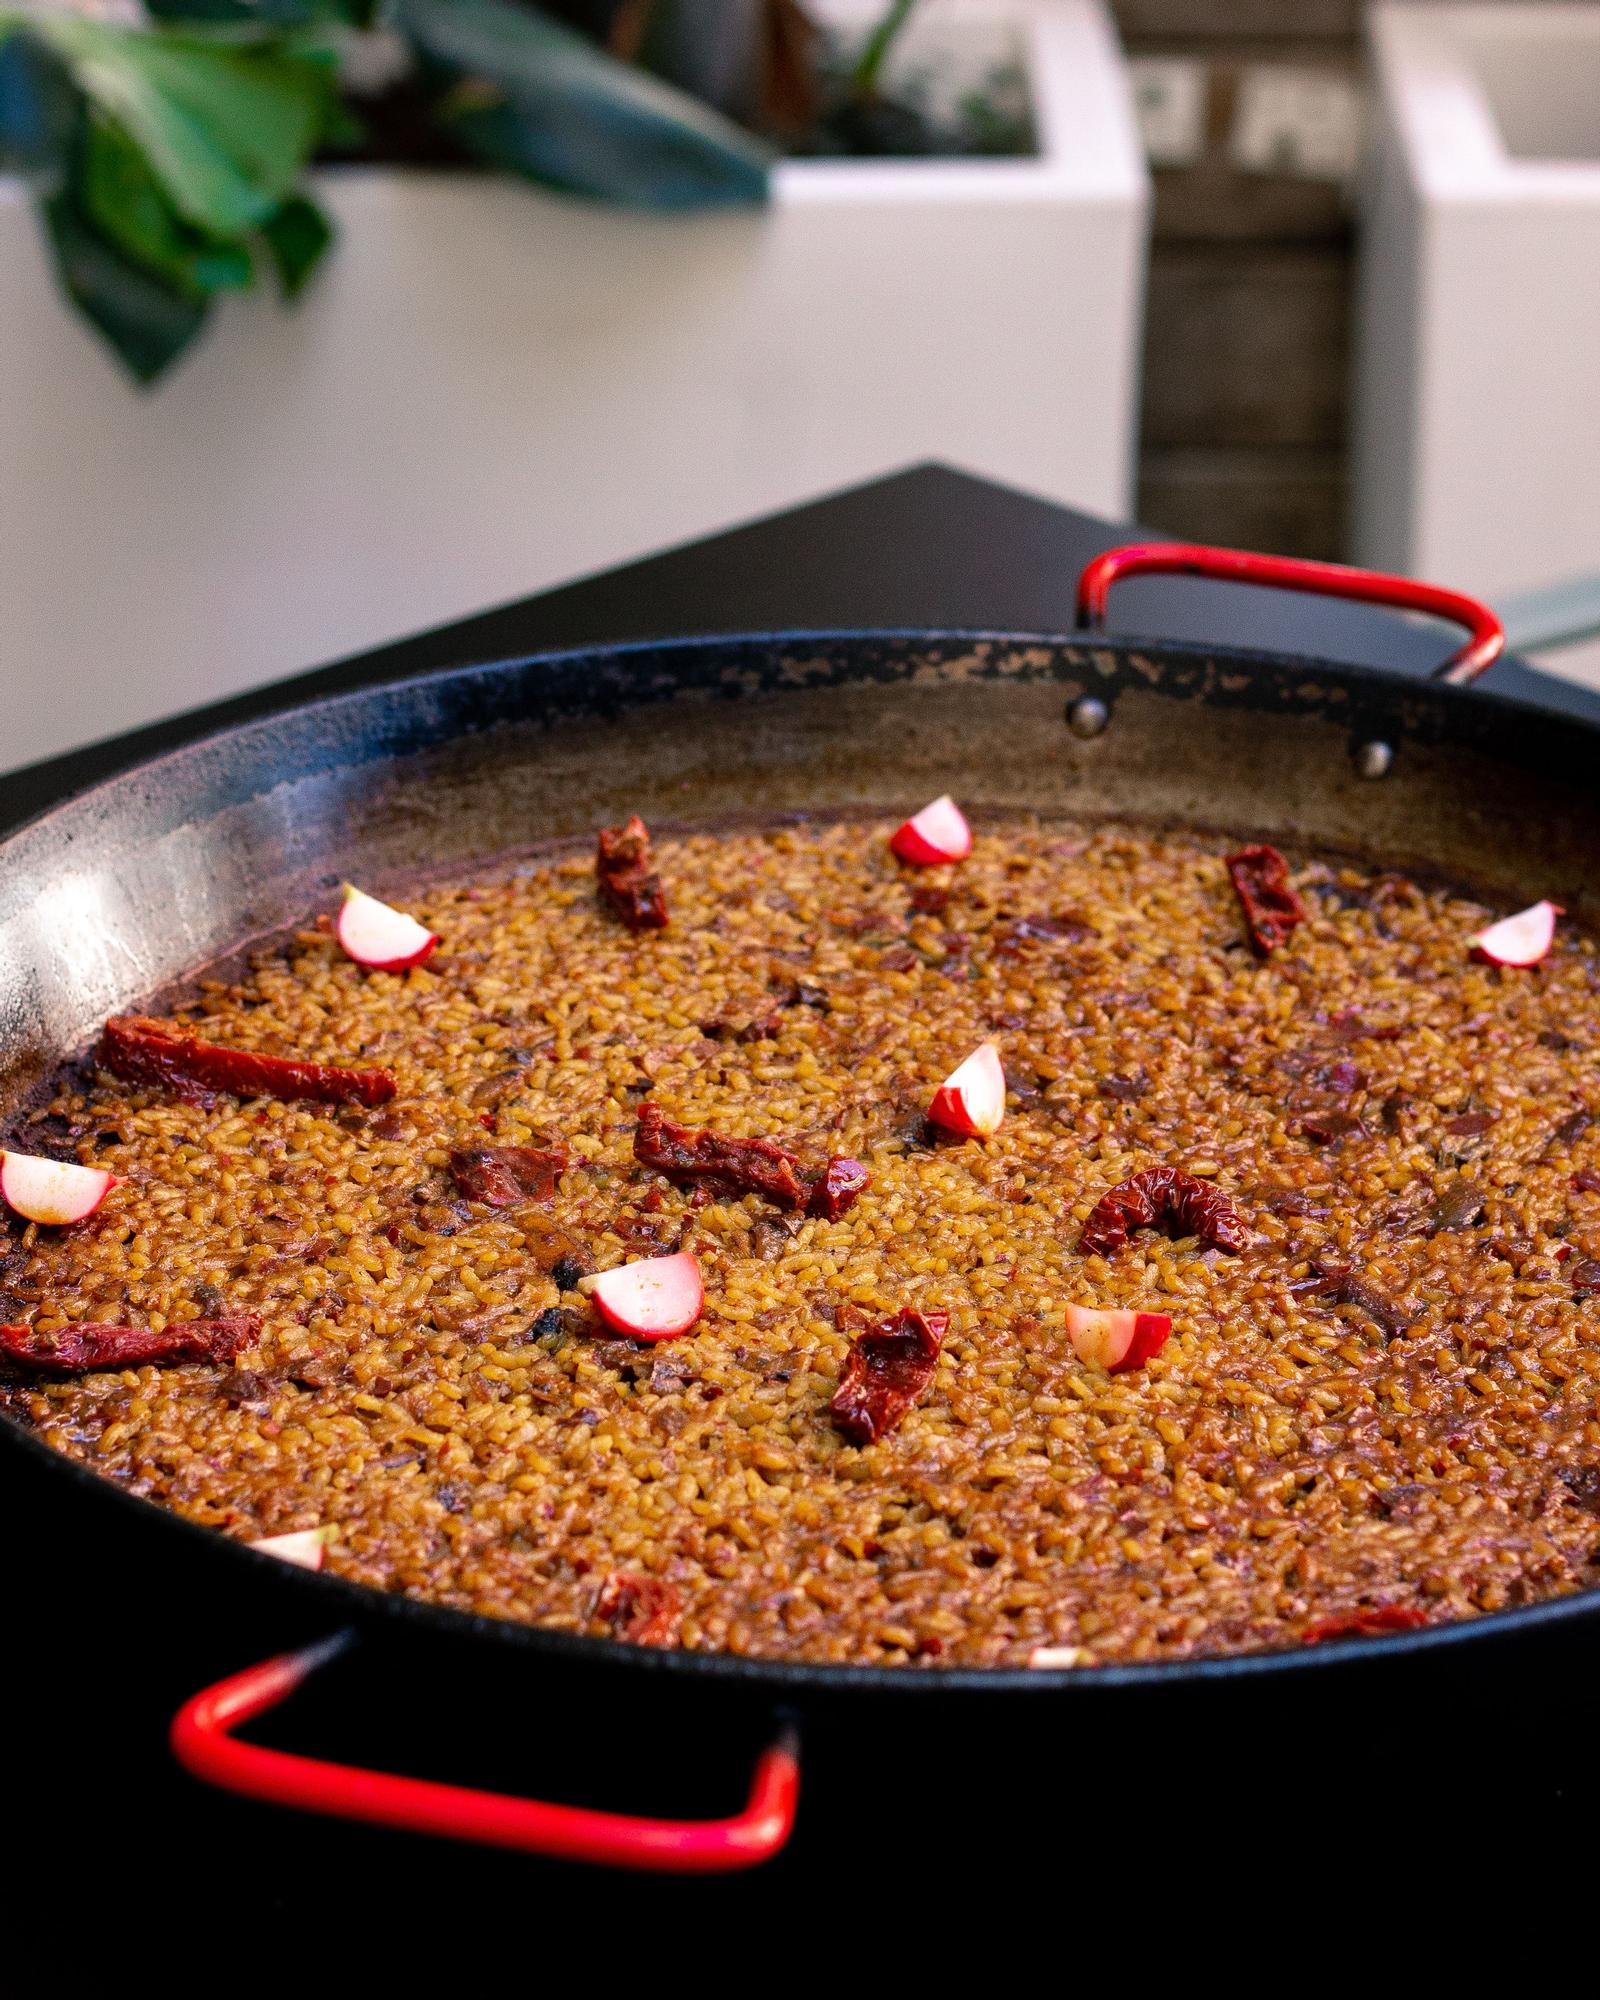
{"x":168,"y":145}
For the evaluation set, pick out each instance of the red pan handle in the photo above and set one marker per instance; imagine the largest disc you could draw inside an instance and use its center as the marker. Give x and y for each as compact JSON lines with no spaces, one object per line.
{"x":1481,"y":649}
{"x":203,"y":1745}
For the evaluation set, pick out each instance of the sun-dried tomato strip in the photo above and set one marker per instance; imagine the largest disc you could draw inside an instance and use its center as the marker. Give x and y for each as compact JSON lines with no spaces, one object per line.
{"x":75,"y":1349}
{"x":141,"y":1050}
{"x":627,"y":881}
{"x":644,"y":1610}
{"x":888,"y":1369}
{"x":1271,"y":906}
{"x":745,"y":1166}
{"x":505,"y":1175}
{"x":1368,"y":1624}
{"x":1164,"y":1197}
{"x":835,"y":1189}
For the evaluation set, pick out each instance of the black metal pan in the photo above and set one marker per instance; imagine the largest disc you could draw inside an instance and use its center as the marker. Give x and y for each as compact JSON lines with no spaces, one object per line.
{"x":114,"y":893}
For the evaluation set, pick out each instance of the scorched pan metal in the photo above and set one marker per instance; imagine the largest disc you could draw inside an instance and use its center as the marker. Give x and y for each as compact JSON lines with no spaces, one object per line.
{"x":119,"y":890}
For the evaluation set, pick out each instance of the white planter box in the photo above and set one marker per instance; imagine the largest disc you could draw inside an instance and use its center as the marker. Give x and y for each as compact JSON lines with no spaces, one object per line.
{"x":489,"y":390}
{"x":1477,"y":447}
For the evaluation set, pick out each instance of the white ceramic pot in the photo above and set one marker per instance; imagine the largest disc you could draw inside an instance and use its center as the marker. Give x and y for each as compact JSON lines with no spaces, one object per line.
{"x":490,"y":389}
{"x":1477,"y":436}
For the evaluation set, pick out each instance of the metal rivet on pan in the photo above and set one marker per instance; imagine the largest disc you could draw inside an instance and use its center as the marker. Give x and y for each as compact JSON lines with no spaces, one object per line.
{"x":1374,"y":759}
{"x":1086,"y":716}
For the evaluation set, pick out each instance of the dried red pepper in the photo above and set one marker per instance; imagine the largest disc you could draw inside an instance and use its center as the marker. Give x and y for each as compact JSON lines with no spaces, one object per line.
{"x":1271,"y":906}
{"x":644,"y":1610}
{"x":888,"y":1369}
{"x":627,"y":881}
{"x":157,"y":1053}
{"x":505,"y":1175}
{"x":1368,"y":1624}
{"x":1159,"y":1196}
{"x":76,"y":1349}
{"x":745,"y":1166}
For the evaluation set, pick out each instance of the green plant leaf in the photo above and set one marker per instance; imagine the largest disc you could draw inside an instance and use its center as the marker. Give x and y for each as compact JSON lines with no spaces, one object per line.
{"x":297,"y":236}
{"x":39,"y":109}
{"x":226,"y":129}
{"x":533,"y":96}
{"x":147,"y":322}
{"x":127,"y":205}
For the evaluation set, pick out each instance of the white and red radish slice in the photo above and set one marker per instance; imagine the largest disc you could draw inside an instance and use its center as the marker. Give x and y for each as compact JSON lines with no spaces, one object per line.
{"x":304,"y":1547}
{"x":374,"y":935}
{"x":937,"y":834}
{"x":1520,"y":940}
{"x":1118,"y":1339}
{"x":655,"y":1299}
{"x":54,"y":1191}
{"x":972,"y":1097}
{"x":1056,"y":1657}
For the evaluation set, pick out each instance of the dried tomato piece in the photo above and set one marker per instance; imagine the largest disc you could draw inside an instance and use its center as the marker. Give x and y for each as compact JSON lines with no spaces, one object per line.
{"x":644,"y":1610}
{"x":158,"y":1053}
{"x":76,"y":1349}
{"x":1271,"y":906}
{"x":835,"y":1190}
{"x":1367,"y":1624}
{"x":1164,"y":1196}
{"x":888,"y":1369}
{"x":685,"y":1153}
{"x":505,"y":1175}
{"x":745,"y":1166}
{"x":627,"y":881}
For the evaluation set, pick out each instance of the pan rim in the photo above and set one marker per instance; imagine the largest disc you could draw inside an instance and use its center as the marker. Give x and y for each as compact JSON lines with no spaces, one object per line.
{"x":348,"y":1601}
{"x":195,"y":732}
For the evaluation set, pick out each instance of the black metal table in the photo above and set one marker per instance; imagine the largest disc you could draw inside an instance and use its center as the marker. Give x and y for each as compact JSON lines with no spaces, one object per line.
{"x":98,"y":1811}
{"x":928,"y":547}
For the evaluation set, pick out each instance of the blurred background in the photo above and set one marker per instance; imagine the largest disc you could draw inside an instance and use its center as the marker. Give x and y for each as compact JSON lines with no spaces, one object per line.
{"x":325,"y":320}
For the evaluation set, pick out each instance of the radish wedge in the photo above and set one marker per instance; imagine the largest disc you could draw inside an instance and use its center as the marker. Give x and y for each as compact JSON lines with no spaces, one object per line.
{"x":55,"y":1191}
{"x":655,"y":1299}
{"x":377,"y":936}
{"x":972,"y":1098}
{"x":1520,"y":940}
{"x":1116,"y":1340}
{"x":1052,"y":1658}
{"x":305,"y":1547}
{"x":936,"y":834}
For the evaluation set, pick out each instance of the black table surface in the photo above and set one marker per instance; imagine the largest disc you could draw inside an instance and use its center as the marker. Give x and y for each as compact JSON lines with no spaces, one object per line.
{"x":97,"y":1811}
{"x":927,"y":548}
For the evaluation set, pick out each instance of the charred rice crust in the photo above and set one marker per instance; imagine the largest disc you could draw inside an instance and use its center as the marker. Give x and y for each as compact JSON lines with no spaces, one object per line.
{"x":471,"y":1436}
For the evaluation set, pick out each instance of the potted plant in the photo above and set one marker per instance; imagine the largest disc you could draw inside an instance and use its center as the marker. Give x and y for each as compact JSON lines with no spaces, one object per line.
{"x":558,"y":290}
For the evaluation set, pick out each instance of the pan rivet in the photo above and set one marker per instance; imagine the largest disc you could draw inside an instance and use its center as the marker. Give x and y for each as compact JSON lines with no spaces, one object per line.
{"x":1087,"y":717}
{"x":1374,"y":759}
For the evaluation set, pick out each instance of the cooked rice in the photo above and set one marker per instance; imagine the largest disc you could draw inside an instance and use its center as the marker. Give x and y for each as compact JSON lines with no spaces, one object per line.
{"x":1278,"y":1463}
